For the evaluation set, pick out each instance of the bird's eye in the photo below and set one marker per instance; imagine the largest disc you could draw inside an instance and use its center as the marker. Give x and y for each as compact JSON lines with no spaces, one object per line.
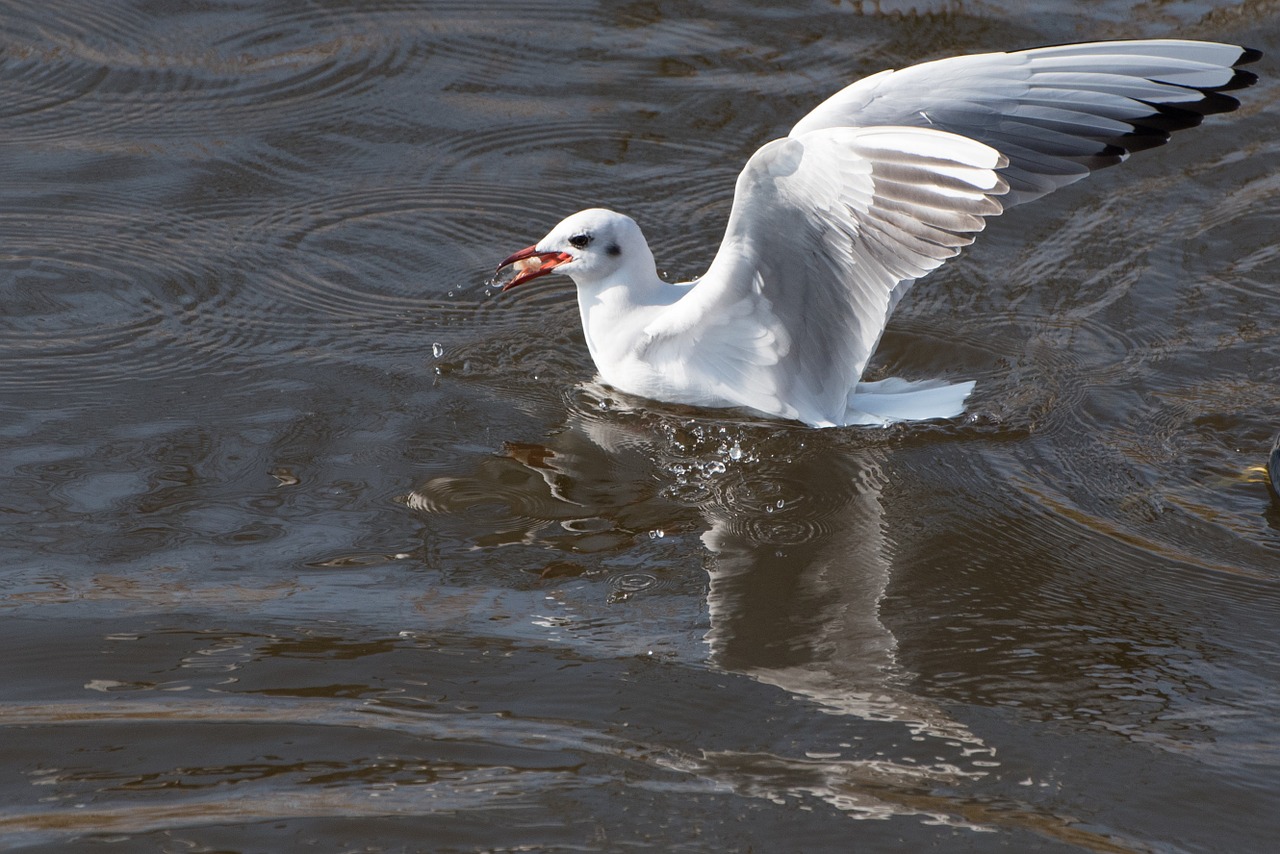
{"x":580,"y":241}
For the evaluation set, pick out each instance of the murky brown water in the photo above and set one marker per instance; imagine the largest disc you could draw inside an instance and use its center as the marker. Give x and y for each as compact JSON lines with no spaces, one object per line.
{"x":311,"y":544}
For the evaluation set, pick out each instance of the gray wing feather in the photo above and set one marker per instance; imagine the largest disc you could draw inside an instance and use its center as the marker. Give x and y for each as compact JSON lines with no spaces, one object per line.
{"x":1057,"y":113}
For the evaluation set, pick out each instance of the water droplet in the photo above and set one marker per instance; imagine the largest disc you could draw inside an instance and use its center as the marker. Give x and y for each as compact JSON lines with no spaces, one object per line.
{"x":735,"y":453}
{"x":437,"y":350}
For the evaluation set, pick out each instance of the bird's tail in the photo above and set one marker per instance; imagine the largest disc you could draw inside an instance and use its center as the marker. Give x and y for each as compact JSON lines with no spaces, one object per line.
{"x":887,"y":401}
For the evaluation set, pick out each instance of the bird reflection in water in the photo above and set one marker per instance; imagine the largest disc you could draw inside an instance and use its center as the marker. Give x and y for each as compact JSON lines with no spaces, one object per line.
{"x":798,"y":565}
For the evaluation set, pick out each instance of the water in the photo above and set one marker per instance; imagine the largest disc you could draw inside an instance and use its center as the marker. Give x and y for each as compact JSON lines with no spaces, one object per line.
{"x":313,"y":544}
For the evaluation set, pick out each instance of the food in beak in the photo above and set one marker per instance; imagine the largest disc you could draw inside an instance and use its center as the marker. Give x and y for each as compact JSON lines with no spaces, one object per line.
{"x":529,"y":264}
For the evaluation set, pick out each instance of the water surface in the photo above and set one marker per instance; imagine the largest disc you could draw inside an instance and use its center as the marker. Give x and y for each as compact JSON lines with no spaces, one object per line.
{"x":313,"y":543}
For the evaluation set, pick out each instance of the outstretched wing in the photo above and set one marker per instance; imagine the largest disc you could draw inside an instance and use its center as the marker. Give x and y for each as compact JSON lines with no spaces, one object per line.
{"x":1057,"y":113}
{"x":885,"y":180}
{"x":824,"y":227}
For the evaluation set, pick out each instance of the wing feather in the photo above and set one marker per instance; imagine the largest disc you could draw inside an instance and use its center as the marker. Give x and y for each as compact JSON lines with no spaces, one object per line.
{"x":824,"y":228}
{"x":1057,"y":112}
{"x":888,"y":178}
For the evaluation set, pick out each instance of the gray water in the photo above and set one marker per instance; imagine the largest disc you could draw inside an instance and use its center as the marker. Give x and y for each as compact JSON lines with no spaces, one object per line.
{"x":312,"y":543}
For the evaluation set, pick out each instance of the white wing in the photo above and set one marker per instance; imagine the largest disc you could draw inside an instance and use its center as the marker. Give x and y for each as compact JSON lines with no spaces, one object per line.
{"x":1057,"y":113}
{"x":824,"y":226}
{"x":885,"y":180}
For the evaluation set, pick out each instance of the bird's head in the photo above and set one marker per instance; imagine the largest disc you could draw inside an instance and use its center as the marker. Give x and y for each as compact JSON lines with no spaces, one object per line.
{"x":589,"y":246}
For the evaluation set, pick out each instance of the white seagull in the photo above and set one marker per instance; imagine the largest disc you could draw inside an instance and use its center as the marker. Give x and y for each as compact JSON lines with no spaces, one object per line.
{"x":873,"y":189}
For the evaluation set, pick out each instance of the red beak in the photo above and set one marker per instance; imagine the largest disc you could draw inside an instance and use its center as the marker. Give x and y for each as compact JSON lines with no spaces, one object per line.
{"x":530,"y":264}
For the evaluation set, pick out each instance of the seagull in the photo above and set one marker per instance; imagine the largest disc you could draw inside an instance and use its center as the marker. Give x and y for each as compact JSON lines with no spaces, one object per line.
{"x":873,"y":189}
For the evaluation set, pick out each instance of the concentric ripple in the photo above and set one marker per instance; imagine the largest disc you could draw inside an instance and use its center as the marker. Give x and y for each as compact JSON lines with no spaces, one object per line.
{"x":254,"y":190}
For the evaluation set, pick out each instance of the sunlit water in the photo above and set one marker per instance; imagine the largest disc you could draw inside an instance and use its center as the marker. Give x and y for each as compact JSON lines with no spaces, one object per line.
{"x":312,"y":543}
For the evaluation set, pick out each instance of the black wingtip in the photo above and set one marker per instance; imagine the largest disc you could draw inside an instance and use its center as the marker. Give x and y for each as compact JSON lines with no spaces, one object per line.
{"x":1240,"y":80}
{"x":1174,"y":117}
{"x":1213,"y":102}
{"x":1155,"y":128}
{"x":1248,"y":55}
{"x":1147,"y":134}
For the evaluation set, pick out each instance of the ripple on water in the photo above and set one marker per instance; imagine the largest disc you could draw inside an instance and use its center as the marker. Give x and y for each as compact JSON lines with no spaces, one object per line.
{"x":103,"y":291}
{"x":90,"y":73}
{"x":85,"y":304}
{"x":292,"y":65}
{"x":194,"y":228}
{"x":624,"y":585}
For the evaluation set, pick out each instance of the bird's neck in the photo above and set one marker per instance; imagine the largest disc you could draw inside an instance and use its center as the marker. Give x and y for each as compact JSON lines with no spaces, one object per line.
{"x":616,"y":311}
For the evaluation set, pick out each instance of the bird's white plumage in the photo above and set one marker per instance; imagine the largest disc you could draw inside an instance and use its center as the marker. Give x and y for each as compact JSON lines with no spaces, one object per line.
{"x":876,"y":187}
{"x":824,"y":227}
